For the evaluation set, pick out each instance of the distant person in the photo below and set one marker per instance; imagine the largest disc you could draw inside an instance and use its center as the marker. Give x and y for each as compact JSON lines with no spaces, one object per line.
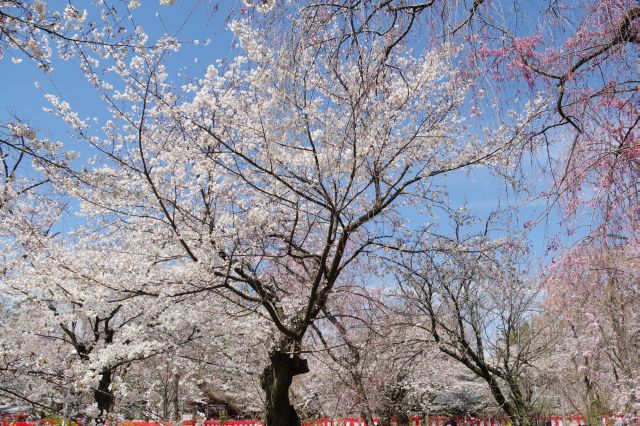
{"x":451,"y":422}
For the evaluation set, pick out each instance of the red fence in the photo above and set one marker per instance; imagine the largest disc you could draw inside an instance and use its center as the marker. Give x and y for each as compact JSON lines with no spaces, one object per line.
{"x":469,"y":421}
{"x":47,"y":422}
{"x":353,"y":421}
{"x":574,"y":420}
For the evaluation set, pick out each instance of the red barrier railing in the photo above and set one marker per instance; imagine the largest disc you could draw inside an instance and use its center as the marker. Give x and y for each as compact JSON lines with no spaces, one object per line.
{"x":572,"y":420}
{"x":136,"y":423}
{"x":354,"y":421}
{"x":468,"y":421}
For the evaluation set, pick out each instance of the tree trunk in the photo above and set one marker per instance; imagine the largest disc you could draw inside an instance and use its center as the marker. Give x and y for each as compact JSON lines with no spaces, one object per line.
{"x":518,"y":410}
{"x":165,"y":400}
{"x":275,"y":381}
{"x":176,"y":398}
{"x":521,"y":416}
{"x":500,"y":398}
{"x":103,"y":396}
{"x":594,"y":406}
{"x":365,"y":409}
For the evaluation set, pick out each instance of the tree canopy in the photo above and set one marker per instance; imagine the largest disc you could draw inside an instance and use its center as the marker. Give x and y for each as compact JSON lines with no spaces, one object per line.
{"x":261,"y":201}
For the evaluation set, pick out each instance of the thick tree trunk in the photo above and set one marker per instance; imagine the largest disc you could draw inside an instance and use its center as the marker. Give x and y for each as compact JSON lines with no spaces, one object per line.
{"x":275,"y":381}
{"x":522,"y":416}
{"x":103,"y":396}
{"x":500,"y":398}
{"x":516,"y":408}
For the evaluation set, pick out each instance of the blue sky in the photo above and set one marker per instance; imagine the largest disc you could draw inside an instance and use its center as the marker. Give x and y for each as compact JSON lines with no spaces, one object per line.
{"x":478,"y":190}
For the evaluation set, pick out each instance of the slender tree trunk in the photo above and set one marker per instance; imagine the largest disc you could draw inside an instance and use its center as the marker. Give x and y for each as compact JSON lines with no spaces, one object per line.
{"x":594,"y":405}
{"x":176,"y":398}
{"x":365,"y":409}
{"x":165,"y":400}
{"x":104,"y":396}
{"x":276,"y":381}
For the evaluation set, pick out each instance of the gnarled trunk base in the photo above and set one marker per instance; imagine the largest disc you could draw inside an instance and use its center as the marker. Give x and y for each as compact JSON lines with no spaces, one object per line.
{"x":276,"y":381}
{"x":104,"y":396}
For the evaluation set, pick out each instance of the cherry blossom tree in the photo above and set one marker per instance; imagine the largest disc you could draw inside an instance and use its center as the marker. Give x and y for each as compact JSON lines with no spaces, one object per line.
{"x":18,"y":355}
{"x":584,"y":54}
{"x":28,"y":28}
{"x":77,"y":300}
{"x":29,"y":205}
{"x":595,"y":295}
{"x":370,"y":362}
{"x":357,"y":351}
{"x":469,"y":296}
{"x":594,"y":78}
{"x":37,"y":30}
{"x":274,"y":173}
{"x":279,"y":175}
{"x":223,"y":363}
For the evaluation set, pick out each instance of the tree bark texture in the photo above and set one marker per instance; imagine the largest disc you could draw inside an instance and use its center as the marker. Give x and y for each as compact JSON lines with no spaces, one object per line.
{"x":104,"y":396}
{"x":276,"y":381}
